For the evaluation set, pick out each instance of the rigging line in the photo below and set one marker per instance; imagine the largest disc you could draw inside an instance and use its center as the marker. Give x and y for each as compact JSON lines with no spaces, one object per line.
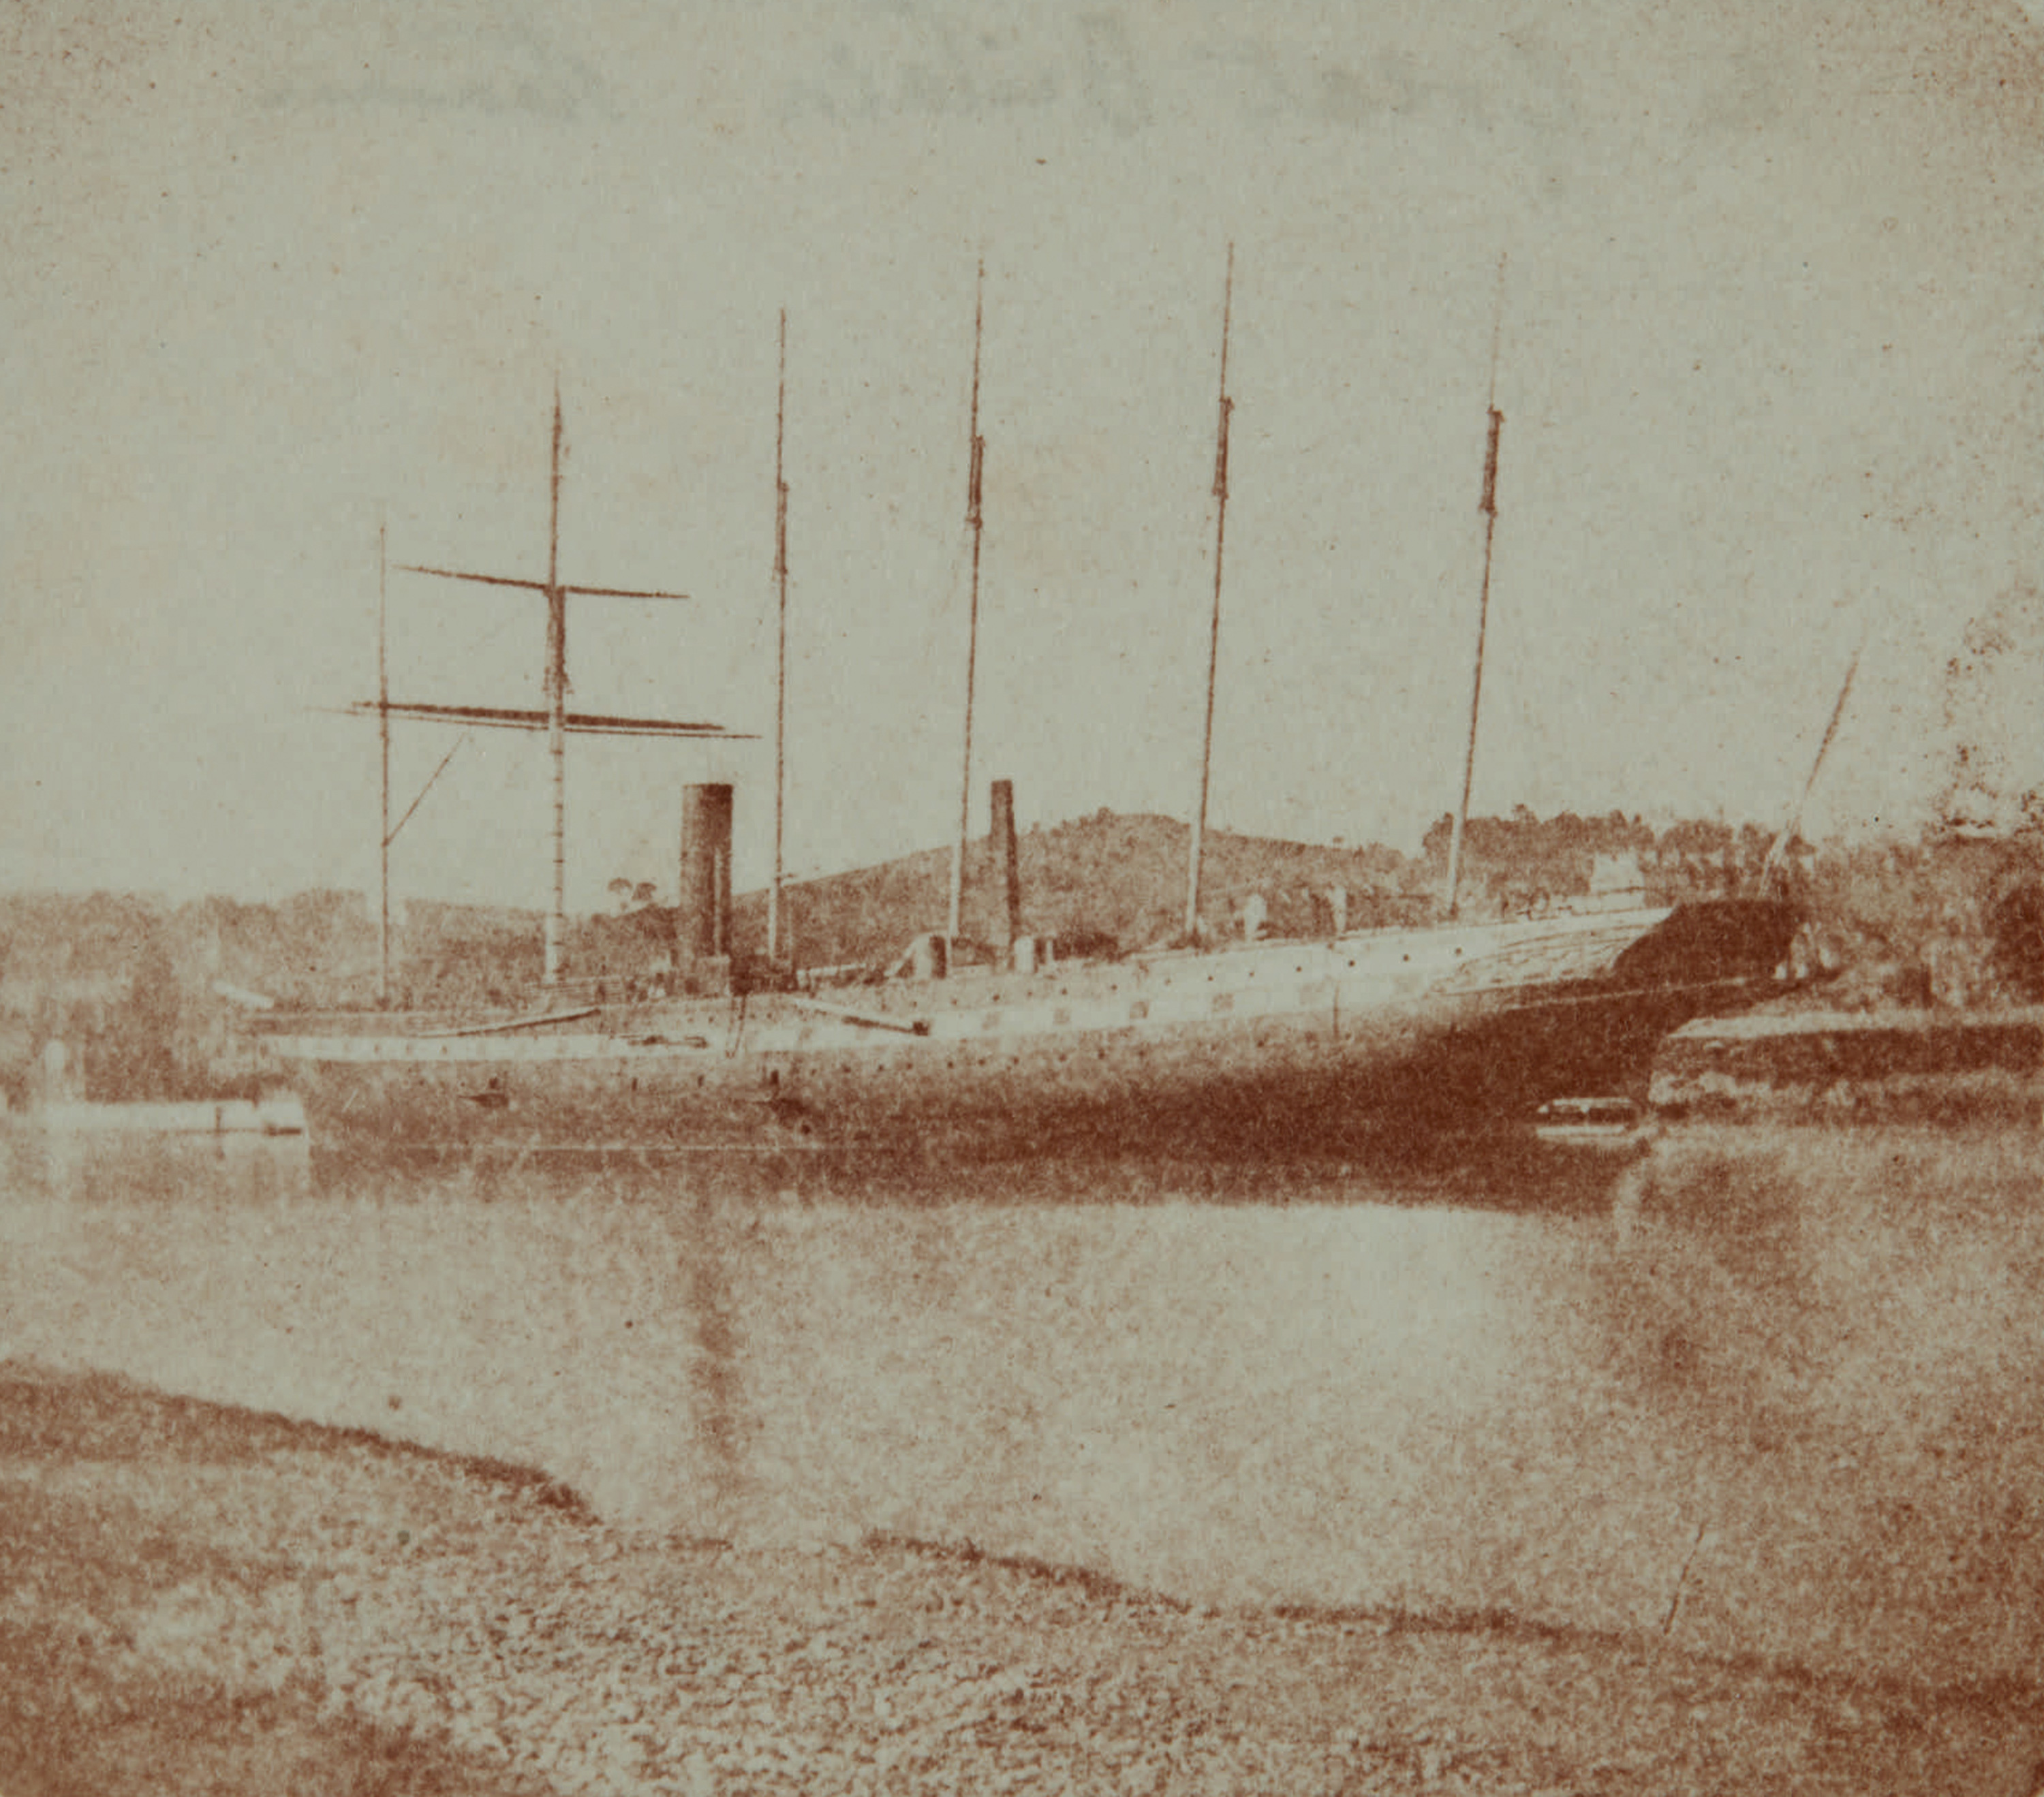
{"x":1777,"y":852}
{"x":1487,"y":506}
{"x":1831,"y":728}
{"x":1197,"y":849}
{"x":425,"y":789}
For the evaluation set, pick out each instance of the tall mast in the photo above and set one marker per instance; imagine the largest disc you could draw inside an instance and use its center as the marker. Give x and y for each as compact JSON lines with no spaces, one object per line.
{"x":557,"y":708}
{"x":558,"y":721}
{"x":973,"y":519}
{"x":780,"y":659}
{"x":1213,"y":641}
{"x":383,"y":735}
{"x":1487,"y":505}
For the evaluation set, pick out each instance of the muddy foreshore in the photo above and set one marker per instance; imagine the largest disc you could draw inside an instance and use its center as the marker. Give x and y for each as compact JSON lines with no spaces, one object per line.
{"x":203,"y":1599}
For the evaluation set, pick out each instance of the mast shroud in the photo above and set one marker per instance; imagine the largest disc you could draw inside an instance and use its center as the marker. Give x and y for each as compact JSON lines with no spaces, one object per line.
{"x":557,"y":710}
{"x":781,"y":654}
{"x":1487,"y":505}
{"x":1197,"y":850}
{"x":974,"y":520}
{"x":383,"y":735}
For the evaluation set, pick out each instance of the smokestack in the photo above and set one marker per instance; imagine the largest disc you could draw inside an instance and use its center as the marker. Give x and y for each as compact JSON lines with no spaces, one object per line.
{"x":702,"y":925}
{"x":1007,"y":872}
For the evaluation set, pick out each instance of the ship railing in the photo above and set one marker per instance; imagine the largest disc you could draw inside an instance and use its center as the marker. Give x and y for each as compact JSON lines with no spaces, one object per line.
{"x":371,"y":1022}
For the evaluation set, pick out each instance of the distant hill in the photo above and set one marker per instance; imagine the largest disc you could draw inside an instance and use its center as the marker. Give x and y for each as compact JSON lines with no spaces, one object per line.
{"x":1106,"y":882}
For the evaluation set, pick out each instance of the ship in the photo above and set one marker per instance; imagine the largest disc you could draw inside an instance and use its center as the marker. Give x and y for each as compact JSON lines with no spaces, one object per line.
{"x":1245,"y":1051}
{"x":1256,"y":1051}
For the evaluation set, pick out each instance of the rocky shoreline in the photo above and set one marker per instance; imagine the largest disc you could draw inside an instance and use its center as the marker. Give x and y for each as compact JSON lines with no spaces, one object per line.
{"x":200,"y":1598}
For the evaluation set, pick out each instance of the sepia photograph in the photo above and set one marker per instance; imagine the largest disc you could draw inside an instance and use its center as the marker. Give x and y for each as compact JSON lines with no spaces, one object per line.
{"x":1078,"y":899}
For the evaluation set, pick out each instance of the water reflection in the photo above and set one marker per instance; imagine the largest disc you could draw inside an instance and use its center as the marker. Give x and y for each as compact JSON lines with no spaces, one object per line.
{"x":1782,"y":1400}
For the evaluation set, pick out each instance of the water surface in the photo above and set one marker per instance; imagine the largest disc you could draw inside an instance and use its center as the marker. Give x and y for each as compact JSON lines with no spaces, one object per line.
{"x":1710,"y":1393}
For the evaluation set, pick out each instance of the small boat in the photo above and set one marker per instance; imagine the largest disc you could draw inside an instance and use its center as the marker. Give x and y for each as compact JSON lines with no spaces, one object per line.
{"x":1590,"y":1122}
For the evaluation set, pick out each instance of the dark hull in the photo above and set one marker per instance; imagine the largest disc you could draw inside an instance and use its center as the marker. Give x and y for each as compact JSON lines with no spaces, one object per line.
{"x":1303,"y":1082}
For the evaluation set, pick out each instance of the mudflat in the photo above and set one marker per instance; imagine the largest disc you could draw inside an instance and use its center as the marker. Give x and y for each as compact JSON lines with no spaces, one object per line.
{"x":203,"y":1599}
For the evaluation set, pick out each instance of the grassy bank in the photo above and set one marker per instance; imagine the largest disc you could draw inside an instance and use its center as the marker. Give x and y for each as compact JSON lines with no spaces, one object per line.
{"x":199,"y":1599}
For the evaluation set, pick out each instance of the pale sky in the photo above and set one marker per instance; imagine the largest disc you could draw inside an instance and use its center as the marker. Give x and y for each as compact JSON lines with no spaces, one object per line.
{"x":1768,"y":360}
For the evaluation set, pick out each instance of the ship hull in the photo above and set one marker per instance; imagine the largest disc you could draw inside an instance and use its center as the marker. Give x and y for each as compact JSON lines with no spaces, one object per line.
{"x":1284,"y":1051}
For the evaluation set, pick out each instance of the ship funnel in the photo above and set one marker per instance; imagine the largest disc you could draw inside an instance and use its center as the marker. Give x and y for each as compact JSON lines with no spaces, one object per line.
{"x":702,"y":924}
{"x":1007,"y":871}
